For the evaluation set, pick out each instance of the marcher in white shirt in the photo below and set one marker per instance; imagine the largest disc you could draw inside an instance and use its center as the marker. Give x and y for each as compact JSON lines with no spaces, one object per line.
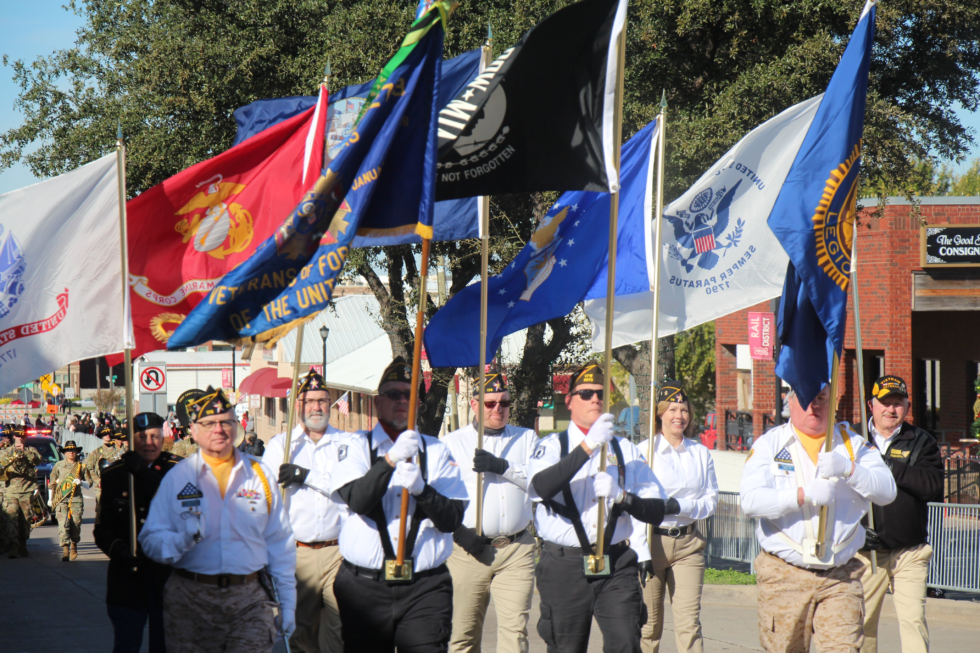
{"x":566,"y":480}
{"x":382,"y":607}
{"x":500,"y":559}
{"x":218,"y":519}
{"x":686,"y":472}
{"x":315,"y":517}
{"x":786,"y":478}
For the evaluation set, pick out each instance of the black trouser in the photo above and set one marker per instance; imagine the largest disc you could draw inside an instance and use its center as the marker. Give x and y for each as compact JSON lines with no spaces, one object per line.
{"x":376,"y":617}
{"x":569,"y":600}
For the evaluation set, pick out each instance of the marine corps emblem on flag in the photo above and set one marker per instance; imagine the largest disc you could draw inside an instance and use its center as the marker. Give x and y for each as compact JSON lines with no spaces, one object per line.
{"x":224,"y":228}
{"x":833,"y":222}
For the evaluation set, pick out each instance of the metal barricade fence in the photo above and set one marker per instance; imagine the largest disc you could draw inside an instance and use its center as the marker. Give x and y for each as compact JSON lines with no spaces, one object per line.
{"x":954,"y":533}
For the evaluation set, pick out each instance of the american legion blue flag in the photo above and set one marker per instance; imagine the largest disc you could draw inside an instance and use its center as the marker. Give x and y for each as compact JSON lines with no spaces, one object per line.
{"x":813,"y":218}
{"x":382,"y":180}
{"x":452,"y":220}
{"x":567,"y":255}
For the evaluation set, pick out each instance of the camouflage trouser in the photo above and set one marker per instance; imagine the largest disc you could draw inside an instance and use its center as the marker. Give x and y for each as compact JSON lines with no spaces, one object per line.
{"x":7,"y":538}
{"x":199,"y":618}
{"x":17,"y":506}
{"x":796,"y":604}
{"x":98,"y":501}
{"x":70,"y":530}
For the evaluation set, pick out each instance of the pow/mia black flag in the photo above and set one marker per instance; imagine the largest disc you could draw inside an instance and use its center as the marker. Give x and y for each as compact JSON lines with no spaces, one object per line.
{"x":540,"y":117}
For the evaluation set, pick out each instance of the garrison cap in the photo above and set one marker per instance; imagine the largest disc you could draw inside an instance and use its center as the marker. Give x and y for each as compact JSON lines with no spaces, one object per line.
{"x":183,"y":400}
{"x":889,"y":385}
{"x":212,"y":402}
{"x":399,"y":372}
{"x":494,"y":382}
{"x":312,"y":381}
{"x":589,"y":373}
{"x":671,"y":391}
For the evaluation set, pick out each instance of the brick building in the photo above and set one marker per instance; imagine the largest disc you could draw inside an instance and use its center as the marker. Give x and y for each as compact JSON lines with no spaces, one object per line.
{"x":920,"y":323}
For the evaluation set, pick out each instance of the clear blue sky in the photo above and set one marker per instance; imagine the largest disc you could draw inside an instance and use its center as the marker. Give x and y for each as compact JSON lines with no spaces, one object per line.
{"x":39,"y":27}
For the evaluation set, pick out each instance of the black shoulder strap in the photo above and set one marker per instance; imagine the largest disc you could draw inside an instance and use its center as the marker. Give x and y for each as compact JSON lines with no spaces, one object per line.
{"x":377,"y":515}
{"x":922,"y":436}
{"x":617,"y":508}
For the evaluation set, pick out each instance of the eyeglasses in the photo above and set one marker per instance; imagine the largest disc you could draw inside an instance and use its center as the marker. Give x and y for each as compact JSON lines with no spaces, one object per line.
{"x":316,"y":402}
{"x":587,"y":395}
{"x":397,"y":395}
{"x":493,"y":404}
{"x":226,"y":425}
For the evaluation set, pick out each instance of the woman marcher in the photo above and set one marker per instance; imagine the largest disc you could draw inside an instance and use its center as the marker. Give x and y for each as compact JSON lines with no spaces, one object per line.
{"x":686,"y":472}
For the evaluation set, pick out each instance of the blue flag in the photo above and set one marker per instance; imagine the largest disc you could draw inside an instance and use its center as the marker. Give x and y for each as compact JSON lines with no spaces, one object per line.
{"x":452,"y":220}
{"x":813,"y":218}
{"x":382,"y":179}
{"x":566,"y":258}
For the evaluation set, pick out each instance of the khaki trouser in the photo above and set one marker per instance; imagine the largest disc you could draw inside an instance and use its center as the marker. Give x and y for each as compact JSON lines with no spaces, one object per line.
{"x":906,"y":570}
{"x":796,"y":604}
{"x":679,"y":567}
{"x":317,"y":615}
{"x":509,"y":574}
{"x":199,"y":618}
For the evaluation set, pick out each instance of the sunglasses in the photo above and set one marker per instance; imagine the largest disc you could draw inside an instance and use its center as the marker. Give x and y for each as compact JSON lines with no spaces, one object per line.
{"x":397,"y":395}
{"x":587,"y":395}
{"x":493,"y":404}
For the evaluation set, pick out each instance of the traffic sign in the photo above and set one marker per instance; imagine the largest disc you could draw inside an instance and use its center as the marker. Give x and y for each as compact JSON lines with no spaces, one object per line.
{"x":25,"y":395}
{"x":69,"y":393}
{"x":153,"y":379}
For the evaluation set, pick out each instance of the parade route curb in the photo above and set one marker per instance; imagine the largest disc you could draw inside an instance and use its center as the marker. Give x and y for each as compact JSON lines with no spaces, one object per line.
{"x":936,"y":609}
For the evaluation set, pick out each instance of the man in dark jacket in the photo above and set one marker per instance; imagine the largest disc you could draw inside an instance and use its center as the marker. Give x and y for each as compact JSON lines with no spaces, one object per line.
{"x":900,"y":534}
{"x":135,"y":584}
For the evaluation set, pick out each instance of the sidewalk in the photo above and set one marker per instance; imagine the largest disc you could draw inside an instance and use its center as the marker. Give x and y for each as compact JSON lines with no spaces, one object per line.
{"x":54,"y":606}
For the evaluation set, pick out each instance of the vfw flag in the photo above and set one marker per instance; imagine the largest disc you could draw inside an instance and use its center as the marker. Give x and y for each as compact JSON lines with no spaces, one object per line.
{"x":61,"y":293}
{"x":719,"y":254}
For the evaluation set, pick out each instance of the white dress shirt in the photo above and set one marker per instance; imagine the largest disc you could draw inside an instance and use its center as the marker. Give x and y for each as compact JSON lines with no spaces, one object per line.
{"x":769,"y":492}
{"x":881,"y":440}
{"x":506,"y":504}
{"x":314,"y":515}
{"x":687,"y":474}
{"x":639,"y":480}
{"x":240,"y":534}
{"x":360,"y":543}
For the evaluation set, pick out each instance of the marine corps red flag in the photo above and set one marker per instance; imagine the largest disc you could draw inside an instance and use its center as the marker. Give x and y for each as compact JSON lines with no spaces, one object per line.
{"x":189,"y":231}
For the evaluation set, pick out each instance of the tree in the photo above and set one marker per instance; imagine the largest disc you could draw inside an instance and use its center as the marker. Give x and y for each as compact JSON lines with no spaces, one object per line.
{"x":967,"y":184}
{"x":173,"y":72}
{"x":696,"y":366}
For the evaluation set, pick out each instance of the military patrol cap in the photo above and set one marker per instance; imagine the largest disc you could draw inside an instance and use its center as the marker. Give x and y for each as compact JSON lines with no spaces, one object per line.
{"x":494,"y":382}
{"x":103,"y":430}
{"x":671,"y":391}
{"x":183,"y":400}
{"x":312,"y":381}
{"x":589,"y":373}
{"x":70,"y":446}
{"x":398,"y":372}
{"x":889,"y":385}
{"x":213,"y":402}
{"x":144,"y":421}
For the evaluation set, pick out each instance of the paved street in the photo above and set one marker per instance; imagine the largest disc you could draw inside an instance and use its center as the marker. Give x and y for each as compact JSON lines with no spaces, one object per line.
{"x":54,"y":606}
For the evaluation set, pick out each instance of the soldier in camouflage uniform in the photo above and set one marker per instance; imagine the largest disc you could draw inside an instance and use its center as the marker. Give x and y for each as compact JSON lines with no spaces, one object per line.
{"x":101,"y":458}
{"x":19,"y":462}
{"x":185,"y":447}
{"x":5,"y":540}
{"x":68,"y":477}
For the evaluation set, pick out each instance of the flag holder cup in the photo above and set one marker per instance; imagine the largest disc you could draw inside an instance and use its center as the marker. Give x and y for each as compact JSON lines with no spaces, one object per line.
{"x":398,"y":573}
{"x":596,"y":566}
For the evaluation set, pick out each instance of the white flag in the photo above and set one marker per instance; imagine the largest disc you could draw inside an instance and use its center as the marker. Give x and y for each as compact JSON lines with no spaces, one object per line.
{"x":61,"y":292}
{"x":719,"y":255}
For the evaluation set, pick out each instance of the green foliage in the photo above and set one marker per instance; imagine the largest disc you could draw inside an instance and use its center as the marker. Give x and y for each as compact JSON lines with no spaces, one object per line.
{"x":727,"y":577}
{"x":695,"y":364}
{"x":926,"y":180}
{"x":968,"y":184}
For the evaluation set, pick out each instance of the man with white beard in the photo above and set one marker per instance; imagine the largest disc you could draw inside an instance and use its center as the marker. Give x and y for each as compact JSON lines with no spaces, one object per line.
{"x":316,"y":519}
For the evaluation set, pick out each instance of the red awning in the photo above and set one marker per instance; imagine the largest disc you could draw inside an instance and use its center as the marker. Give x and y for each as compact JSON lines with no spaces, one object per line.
{"x":279,"y":388}
{"x":258,"y":377}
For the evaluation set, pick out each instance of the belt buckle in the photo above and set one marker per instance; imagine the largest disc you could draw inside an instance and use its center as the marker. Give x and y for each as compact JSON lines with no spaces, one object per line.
{"x":674,"y":532}
{"x":398,"y":574}
{"x":224,"y":581}
{"x":500,"y":541}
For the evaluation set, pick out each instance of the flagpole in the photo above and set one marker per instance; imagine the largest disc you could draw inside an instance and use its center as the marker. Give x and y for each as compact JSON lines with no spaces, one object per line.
{"x":485,"y":55}
{"x":828,"y":446}
{"x":860,"y":370}
{"x":597,"y":563}
{"x":127,"y":352}
{"x":655,"y":329}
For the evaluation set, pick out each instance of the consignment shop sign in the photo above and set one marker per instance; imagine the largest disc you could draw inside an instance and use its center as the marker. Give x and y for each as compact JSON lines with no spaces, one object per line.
{"x":945,"y":245}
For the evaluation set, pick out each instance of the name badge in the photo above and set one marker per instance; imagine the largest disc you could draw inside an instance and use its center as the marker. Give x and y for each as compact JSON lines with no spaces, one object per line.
{"x":188,"y":504}
{"x":782,"y":469}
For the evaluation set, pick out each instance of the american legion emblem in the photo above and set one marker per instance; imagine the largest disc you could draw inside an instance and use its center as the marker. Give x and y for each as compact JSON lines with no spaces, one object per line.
{"x":833,"y":221}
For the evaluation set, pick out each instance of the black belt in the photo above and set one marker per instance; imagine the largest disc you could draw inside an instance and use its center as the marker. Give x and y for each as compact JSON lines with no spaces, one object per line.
{"x":379,"y":574}
{"x":501,"y":541}
{"x":674,"y":531}
{"x":576,"y":551}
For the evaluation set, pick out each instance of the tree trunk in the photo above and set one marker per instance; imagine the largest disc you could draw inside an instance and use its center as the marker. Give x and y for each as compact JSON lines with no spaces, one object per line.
{"x":637,"y":359}
{"x":531,"y":381}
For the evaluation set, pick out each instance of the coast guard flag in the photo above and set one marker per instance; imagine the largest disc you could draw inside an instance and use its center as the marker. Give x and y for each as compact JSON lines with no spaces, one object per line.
{"x":61,"y":293}
{"x":567,"y":255}
{"x":381,"y":181}
{"x":739,"y":262}
{"x":814,"y":221}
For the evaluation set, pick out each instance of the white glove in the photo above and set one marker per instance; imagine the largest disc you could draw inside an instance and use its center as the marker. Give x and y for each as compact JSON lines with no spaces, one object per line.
{"x":408,"y":476}
{"x":601,"y":432}
{"x":194,"y":528}
{"x":51,"y":504}
{"x":288,"y":622}
{"x":833,"y":465}
{"x":406,"y":446}
{"x":821,"y":492}
{"x":78,"y":481}
{"x":605,"y":485}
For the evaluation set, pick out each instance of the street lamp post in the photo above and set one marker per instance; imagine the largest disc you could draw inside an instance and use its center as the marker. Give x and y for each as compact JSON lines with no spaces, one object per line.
{"x":324,"y":332}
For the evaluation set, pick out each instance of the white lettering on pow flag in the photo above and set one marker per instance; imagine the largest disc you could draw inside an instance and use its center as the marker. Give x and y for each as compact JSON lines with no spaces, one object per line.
{"x":719,"y":255}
